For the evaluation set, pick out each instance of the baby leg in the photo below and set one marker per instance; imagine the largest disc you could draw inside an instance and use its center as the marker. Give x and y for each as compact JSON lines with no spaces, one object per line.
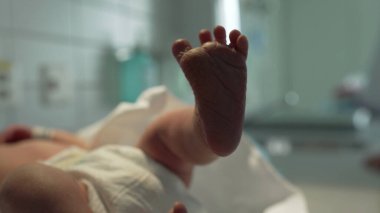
{"x":40,"y":188}
{"x":191,"y":136}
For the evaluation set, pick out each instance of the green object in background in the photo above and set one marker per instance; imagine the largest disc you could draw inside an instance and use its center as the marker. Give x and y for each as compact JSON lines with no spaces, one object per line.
{"x":137,"y":72}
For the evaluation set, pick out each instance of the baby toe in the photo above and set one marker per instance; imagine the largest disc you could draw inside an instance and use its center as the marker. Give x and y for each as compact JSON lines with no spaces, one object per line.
{"x":220,"y":34}
{"x":179,"y":47}
{"x":204,"y":36}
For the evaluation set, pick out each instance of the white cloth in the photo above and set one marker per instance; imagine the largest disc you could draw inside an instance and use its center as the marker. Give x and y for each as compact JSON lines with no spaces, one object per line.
{"x":243,"y":182}
{"x":122,"y":179}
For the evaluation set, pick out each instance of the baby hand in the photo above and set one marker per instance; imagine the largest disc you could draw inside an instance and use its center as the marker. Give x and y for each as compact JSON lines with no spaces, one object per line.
{"x":178,"y":208}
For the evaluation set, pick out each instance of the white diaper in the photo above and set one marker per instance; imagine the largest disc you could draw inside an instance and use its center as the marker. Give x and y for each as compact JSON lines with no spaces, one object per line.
{"x":123,"y":179}
{"x":94,"y":201}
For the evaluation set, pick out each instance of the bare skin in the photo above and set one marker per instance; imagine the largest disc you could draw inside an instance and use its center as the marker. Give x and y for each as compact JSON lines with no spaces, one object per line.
{"x":179,"y":139}
{"x":39,"y":188}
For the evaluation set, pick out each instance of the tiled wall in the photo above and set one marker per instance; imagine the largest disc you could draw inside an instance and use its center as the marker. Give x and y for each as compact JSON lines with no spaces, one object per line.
{"x":75,"y":37}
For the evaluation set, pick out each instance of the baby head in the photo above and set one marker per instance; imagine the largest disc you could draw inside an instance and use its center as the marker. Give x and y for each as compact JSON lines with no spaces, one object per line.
{"x":40,"y":188}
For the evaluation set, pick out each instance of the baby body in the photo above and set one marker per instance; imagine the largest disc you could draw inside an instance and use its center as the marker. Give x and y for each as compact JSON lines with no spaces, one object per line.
{"x":154,"y":173}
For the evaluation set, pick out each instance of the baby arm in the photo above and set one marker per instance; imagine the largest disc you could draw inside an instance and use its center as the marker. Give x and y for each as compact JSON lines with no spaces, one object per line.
{"x":22,"y":133}
{"x":175,"y":140}
{"x":197,"y":135}
{"x":21,"y":145}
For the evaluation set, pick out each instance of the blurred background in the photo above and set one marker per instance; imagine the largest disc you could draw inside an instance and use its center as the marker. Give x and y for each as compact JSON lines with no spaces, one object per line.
{"x":312,"y":99}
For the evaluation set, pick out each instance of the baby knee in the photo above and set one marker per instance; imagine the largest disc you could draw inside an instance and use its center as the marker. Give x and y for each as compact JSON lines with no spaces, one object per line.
{"x":21,"y":191}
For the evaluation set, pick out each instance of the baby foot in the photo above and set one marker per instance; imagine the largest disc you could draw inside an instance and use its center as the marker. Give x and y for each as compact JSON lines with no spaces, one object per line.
{"x":217,"y":74}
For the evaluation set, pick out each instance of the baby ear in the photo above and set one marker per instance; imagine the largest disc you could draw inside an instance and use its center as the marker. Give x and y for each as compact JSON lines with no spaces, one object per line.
{"x":178,"y":208}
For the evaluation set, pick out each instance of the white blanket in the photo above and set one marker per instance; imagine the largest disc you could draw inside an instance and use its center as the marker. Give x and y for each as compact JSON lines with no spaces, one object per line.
{"x":242,"y":182}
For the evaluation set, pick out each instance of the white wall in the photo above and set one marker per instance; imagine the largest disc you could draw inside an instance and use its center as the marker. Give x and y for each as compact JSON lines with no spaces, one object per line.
{"x":263,"y":23}
{"x":306,"y":46}
{"x":324,"y":41}
{"x":79,"y":36}
{"x":175,"y":19}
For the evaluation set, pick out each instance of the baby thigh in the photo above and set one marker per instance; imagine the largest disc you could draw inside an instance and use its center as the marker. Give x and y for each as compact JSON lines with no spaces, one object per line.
{"x":16,"y":155}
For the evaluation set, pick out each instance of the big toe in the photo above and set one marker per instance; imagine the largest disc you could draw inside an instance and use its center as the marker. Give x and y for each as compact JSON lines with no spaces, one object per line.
{"x":179,"y":47}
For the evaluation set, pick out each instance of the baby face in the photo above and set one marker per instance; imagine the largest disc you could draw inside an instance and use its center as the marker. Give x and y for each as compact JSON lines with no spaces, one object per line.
{"x":40,"y":188}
